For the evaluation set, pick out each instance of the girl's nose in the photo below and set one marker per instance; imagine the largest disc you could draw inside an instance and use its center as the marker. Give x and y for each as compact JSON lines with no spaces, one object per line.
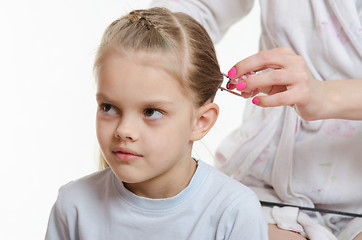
{"x":127,"y":130}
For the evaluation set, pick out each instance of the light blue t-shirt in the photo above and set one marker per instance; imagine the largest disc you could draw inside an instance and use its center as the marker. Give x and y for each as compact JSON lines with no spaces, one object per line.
{"x":212,"y":206}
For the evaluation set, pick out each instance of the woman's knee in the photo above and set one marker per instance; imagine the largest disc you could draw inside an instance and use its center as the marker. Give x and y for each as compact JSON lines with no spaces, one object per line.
{"x":276,"y":233}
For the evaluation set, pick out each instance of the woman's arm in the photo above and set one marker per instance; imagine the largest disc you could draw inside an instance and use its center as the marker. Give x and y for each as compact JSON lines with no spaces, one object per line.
{"x":216,"y":16}
{"x":343,"y":99}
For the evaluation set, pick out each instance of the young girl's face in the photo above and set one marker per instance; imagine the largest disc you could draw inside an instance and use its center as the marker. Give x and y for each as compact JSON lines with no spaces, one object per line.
{"x":144,"y":122}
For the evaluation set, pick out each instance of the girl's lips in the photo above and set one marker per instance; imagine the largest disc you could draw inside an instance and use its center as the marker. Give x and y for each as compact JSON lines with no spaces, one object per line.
{"x":126,"y":155}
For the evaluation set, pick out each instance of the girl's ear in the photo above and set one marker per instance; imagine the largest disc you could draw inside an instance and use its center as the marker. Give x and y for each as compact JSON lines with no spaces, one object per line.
{"x":206,"y":118}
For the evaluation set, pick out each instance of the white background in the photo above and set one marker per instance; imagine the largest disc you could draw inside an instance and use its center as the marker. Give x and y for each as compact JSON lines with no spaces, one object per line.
{"x":47,"y":97}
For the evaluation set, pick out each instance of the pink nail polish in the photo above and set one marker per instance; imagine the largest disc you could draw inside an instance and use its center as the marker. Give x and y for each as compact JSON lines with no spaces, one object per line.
{"x":230,"y":86}
{"x":255,"y":101}
{"x":240,"y":86}
{"x":232,"y":72}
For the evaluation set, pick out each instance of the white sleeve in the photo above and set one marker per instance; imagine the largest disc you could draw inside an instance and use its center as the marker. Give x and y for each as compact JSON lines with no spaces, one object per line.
{"x":216,"y":16}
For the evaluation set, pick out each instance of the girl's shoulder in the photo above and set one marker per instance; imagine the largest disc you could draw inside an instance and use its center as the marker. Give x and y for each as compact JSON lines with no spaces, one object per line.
{"x":223,"y":186}
{"x":237,"y":204}
{"x":224,"y":180}
{"x":85,"y":188}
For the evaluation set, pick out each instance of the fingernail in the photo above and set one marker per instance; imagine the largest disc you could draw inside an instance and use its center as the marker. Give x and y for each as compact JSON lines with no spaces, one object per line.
{"x":255,"y":101}
{"x":240,"y":86}
{"x":232,"y":72}
{"x":230,"y":86}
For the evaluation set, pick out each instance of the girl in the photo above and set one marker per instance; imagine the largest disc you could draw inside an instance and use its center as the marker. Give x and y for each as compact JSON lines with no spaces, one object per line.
{"x":157,"y":75}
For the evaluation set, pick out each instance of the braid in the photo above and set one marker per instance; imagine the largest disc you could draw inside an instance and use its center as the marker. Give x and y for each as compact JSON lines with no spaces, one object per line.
{"x":136,"y":17}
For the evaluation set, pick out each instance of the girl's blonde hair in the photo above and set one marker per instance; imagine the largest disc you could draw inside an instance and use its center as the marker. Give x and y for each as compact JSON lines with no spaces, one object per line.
{"x":172,"y":40}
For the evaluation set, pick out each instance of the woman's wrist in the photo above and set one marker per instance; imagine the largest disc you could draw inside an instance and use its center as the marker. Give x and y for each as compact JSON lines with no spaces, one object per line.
{"x":343,"y":99}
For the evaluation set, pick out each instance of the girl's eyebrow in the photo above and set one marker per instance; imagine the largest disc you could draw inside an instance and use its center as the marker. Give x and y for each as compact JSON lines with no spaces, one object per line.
{"x":100,"y":96}
{"x":157,"y":102}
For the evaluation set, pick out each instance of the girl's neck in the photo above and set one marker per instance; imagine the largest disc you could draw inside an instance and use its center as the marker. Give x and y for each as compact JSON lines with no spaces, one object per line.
{"x":165,"y":186}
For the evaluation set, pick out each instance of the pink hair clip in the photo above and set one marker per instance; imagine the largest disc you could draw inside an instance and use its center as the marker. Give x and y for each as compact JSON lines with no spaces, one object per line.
{"x":235,"y":83}
{"x":230,"y":85}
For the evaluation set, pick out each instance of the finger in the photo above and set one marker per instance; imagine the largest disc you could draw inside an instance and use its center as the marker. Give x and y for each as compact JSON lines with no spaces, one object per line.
{"x":274,"y":58}
{"x":250,"y":94}
{"x":286,"y":98}
{"x":270,"y":82}
{"x":273,"y":90}
{"x":246,"y":95}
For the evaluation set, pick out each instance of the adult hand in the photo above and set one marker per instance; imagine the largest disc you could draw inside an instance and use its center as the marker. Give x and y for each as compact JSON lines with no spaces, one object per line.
{"x":288,"y":82}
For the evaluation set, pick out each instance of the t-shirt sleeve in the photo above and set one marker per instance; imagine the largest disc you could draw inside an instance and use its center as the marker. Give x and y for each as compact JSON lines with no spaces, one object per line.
{"x":57,"y":225}
{"x":63,"y":216}
{"x":216,"y":16}
{"x":244,"y":219}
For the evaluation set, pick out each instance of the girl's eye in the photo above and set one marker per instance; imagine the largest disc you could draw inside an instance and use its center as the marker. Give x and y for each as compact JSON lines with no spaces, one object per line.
{"x":152,"y":113}
{"x":107,"y":108}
